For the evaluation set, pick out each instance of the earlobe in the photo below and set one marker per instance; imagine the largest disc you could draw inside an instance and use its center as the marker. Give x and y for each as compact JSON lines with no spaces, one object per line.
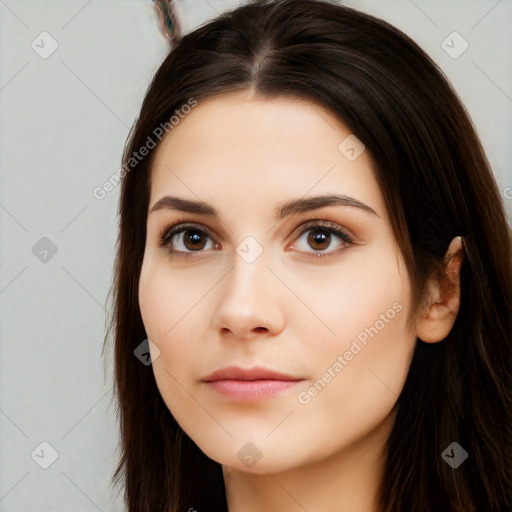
{"x":438,"y":315}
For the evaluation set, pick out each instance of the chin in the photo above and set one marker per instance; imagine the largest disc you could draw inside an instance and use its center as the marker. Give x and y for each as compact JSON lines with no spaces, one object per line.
{"x":256,"y":457}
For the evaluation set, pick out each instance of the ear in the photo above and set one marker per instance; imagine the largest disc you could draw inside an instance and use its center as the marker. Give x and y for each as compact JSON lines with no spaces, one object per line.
{"x":437,"y":317}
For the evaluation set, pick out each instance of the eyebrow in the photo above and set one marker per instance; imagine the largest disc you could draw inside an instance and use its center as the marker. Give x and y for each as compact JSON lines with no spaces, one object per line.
{"x":294,"y":206}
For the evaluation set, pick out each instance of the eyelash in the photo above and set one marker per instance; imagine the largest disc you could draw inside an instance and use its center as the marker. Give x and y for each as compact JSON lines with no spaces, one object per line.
{"x":324,"y":226}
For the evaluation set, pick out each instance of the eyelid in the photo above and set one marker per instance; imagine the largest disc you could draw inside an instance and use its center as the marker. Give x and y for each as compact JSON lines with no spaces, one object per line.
{"x":169,"y":231}
{"x":184,"y":222}
{"x":322,"y":223}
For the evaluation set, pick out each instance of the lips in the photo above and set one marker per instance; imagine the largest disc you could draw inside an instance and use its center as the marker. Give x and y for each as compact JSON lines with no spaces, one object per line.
{"x":254,"y":373}
{"x":249,"y":385}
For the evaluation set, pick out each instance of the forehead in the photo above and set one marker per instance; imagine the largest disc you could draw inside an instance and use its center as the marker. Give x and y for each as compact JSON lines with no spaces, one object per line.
{"x":235,"y":149}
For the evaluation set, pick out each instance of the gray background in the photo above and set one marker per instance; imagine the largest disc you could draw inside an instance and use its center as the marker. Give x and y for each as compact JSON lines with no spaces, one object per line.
{"x":63,"y":124}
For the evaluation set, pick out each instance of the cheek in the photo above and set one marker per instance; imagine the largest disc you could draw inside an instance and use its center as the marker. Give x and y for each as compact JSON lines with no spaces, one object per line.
{"x":366,"y":291}
{"x":165,"y":298}
{"x":155,"y":292}
{"x":171,"y":305}
{"x":166,"y":306}
{"x":363,"y":366}
{"x":356,"y":376}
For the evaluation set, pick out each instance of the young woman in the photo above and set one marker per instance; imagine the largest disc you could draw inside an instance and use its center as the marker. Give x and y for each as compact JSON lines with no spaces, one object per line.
{"x":315,"y":259}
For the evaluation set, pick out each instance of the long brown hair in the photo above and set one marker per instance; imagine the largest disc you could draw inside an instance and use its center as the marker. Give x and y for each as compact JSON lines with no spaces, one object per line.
{"x":437,"y":184}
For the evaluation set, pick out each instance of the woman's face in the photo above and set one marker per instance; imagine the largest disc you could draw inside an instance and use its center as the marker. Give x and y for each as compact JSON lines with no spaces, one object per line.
{"x":258,"y":282}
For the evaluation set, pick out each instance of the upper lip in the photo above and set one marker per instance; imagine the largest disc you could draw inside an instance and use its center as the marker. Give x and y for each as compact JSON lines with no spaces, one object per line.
{"x":254,"y":373}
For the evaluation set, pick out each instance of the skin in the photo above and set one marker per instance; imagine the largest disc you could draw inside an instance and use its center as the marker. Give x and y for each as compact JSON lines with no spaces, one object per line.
{"x":289,"y":310}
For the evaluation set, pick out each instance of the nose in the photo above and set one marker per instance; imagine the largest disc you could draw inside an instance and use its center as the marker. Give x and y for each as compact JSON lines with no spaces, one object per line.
{"x":249,"y":301}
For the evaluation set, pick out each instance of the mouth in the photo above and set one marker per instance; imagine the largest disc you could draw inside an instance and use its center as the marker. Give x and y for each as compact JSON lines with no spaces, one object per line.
{"x":250,"y":384}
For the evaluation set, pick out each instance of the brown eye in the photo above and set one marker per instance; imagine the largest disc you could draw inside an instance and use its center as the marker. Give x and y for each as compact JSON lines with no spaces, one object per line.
{"x":323,"y":239}
{"x":186,"y":240}
{"x":318,"y":239}
{"x":193,"y":239}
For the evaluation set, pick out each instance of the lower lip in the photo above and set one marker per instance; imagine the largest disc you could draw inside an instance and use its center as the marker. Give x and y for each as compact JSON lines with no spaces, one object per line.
{"x":251,"y":389}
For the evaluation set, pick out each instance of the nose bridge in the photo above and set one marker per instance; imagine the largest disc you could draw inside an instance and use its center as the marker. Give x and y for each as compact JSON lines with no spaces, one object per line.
{"x":249,"y":266}
{"x":247,"y":301}
{"x":249,"y":271}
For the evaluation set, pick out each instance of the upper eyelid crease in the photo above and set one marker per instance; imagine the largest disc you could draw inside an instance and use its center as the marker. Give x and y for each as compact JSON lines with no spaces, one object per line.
{"x":295,"y":206}
{"x":332,"y":227}
{"x":180,"y":226}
